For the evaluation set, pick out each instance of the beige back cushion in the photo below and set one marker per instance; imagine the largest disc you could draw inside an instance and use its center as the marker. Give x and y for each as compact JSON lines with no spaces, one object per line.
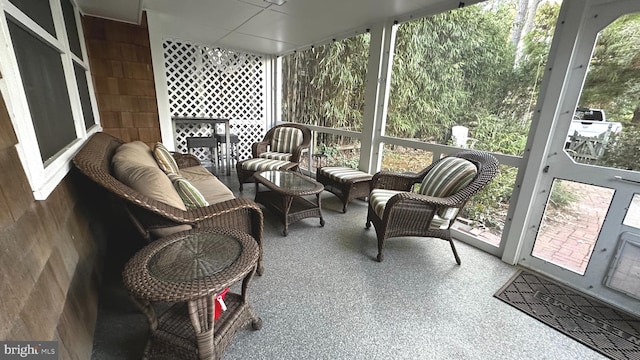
{"x":213,"y":190}
{"x":134,"y":165}
{"x":135,"y":152}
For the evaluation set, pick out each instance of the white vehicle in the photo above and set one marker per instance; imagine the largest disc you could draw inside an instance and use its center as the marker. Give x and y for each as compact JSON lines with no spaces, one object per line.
{"x":591,"y":123}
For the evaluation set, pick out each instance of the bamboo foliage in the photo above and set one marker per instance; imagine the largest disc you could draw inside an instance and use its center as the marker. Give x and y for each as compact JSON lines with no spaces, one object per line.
{"x":449,"y":68}
{"x":325,"y":85}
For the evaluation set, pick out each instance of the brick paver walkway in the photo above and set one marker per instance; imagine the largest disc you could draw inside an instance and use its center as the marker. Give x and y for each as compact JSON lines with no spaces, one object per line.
{"x":567,"y":237}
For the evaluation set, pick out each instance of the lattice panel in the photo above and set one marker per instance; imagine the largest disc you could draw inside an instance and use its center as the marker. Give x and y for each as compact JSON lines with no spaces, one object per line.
{"x":209,"y":82}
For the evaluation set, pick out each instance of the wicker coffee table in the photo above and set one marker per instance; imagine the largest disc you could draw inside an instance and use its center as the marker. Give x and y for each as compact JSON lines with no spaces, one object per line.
{"x":188,"y":269}
{"x":285,"y":195}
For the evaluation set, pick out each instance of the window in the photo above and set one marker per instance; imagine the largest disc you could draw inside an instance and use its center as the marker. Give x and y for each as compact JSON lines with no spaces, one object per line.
{"x":47,"y":85}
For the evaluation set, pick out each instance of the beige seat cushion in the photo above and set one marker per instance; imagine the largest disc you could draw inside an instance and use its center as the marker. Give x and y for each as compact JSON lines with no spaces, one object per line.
{"x":158,"y":233}
{"x":343,"y":174}
{"x":213,"y":190}
{"x":135,"y":166}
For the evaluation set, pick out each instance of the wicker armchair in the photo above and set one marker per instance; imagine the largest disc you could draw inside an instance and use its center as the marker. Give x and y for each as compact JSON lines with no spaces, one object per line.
{"x":445,"y":187}
{"x":281,"y":149}
{"x":147,"y":214}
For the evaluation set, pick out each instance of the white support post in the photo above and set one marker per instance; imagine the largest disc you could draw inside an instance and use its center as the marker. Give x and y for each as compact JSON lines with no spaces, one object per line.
{"x":160,"y":79}
{"x":277,"y":90}
{"x":381,"y":48}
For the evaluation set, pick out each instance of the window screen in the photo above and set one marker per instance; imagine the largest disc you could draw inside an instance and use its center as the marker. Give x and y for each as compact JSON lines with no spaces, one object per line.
{"x":85,"y":100}
{"x":47,"y":96}
{"x":38,"y":11}
{"x":72,"y":29}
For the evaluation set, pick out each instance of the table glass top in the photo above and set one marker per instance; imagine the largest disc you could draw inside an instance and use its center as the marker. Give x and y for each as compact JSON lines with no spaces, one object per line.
{"x":194,"y":257}
{"x":289,"y":180}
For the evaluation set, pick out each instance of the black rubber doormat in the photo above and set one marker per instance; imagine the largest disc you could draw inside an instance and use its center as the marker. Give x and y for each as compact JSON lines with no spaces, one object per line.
{"x":611,"y":332}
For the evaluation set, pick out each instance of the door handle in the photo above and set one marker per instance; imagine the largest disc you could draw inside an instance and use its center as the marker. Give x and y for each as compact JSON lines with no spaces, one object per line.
{"x":620,"y":178}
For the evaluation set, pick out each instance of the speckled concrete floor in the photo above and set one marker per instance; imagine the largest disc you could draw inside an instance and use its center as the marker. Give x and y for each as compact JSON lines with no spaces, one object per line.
{"x":323,"y":296}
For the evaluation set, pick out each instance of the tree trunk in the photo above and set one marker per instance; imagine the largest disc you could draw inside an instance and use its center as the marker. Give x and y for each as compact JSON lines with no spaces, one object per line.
{"x":518,"y":22}
{"x":532,"y":8}
{"x":636,"y":116}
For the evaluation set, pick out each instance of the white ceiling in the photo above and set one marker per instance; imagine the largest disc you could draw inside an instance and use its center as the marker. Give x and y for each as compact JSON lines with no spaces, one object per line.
{"x":261,"y":27}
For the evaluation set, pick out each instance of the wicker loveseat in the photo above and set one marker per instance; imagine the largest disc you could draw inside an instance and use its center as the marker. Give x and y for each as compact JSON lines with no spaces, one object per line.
{"x":154,"y":218}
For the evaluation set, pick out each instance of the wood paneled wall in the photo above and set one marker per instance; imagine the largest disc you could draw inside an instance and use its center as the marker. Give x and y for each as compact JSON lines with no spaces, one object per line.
{"x":50,"y":256}
{"x":120,"y":60}
{"x":52,"y":251}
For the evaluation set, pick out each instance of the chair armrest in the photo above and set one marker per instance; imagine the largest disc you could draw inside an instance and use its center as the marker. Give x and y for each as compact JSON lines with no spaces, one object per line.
{"x":394,"y":181}
{"x":200,"y":217}
{"x":258,"y":148}
{"x":297,"y":153}
{"x":242,"y":214}
{"x":411,"y":197}
{"x":197,"y":215}
{"x":185,"y":160}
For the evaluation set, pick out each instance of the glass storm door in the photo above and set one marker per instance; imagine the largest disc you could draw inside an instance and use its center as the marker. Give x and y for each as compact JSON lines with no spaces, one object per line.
{"x":588,"y":218}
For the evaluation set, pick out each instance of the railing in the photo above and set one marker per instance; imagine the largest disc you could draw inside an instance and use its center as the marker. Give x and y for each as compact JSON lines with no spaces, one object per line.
{"x":438,"y":150}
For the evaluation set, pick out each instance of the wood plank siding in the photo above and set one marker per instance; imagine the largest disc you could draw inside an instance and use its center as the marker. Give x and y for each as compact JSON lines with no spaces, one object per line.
{"x":49,"y":257}
{"x":120,"y":60}
{"x":52,"y":252}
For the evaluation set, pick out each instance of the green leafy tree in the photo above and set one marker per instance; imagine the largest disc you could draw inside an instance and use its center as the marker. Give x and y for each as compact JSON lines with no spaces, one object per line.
{"x":613,"y":84}
{"x":624,"y":152}
{"x":613,"y":80}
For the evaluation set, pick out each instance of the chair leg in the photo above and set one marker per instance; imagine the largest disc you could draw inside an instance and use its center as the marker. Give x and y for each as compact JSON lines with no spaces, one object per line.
{"x":455,"y":253}
{"x":380,"y":255}
{"x":380,"y":246}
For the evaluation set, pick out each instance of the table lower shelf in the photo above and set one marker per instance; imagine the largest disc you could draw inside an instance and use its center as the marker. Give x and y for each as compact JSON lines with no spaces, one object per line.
{"x":300,"y":208}
{"x":175,"y":337}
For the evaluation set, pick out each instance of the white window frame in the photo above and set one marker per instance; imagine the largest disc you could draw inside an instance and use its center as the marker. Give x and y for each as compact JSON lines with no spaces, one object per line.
{"x":44,"y":178}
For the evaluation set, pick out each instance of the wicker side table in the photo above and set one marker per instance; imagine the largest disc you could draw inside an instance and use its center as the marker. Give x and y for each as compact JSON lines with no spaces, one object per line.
{"x":188,"y":269}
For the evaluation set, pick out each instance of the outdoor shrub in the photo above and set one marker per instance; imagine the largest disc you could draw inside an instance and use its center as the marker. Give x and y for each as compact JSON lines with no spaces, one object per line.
{"x":496,"y":134}
{"x":624,"y":151}
{"x":561,"y":195}
{"x":331,"y":151}
{"x":489,"y":206}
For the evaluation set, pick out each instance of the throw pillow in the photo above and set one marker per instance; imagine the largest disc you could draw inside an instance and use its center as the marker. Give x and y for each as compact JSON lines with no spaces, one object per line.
{"x":189,"y":194}
{"x":166,"y":162}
